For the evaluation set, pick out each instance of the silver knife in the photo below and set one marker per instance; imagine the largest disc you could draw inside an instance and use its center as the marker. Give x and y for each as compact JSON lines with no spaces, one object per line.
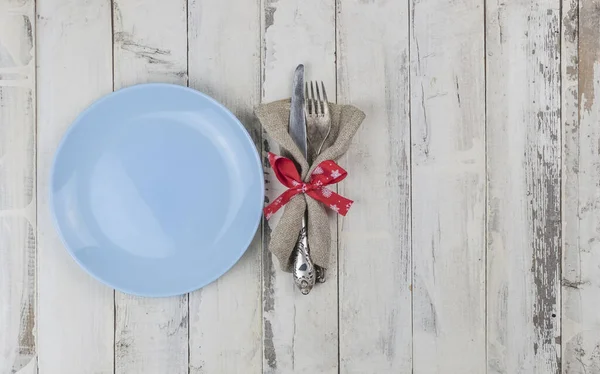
{"x":304,"y":271}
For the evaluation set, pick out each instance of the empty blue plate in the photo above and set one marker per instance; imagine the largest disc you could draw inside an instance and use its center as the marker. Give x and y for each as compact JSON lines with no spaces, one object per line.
{"x":157,"y":190}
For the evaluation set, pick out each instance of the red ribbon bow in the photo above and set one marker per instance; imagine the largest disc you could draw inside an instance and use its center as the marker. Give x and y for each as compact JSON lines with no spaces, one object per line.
{"x":326,"y":173}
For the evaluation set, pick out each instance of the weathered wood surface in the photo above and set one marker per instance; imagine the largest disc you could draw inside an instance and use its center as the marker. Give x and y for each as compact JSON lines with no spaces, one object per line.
{"x":581,"y":187}
{"x":375,"y":289}
{"x":224,"y":62}
{"x":75,"y":321}
{"x":523,"y":163}
{"x":150,"y":45}
{"x":447,"y":90}
{"x":300,"y":332}
{"x":475,"y":174}
{"x":17,"y":188}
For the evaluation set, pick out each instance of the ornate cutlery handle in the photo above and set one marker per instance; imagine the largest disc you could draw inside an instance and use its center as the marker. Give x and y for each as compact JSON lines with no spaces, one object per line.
{"x":320,"y":274}
{"x":304,"y":270}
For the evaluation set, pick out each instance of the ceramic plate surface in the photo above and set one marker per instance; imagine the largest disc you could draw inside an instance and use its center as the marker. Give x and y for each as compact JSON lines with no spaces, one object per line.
{"x":156,"y":190}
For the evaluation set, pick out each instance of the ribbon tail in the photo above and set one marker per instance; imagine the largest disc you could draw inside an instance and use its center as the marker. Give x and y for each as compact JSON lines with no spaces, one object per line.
{"x":279,"y":202}
{"x":346,"y":204}
{"x":332,"y":200}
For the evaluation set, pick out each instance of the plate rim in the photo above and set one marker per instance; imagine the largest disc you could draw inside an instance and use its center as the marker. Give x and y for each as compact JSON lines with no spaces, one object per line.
{"x":74,"y":123}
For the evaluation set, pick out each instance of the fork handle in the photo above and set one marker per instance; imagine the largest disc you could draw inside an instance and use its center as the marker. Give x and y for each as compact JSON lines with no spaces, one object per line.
{"x":304,"y":270}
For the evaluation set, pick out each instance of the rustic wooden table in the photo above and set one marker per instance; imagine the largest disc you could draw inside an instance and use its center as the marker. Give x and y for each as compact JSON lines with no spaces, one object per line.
{"x":474,"y":243}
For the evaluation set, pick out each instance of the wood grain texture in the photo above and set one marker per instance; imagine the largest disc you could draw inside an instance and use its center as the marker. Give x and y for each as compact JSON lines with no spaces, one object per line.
{"x":75,"y":312}
{"x":18,"y":351}
{"x":150,"y":42}
{"x":523,"y":162}
{"x":150,"y":45}
{"x":448,"y":176}
{"x":300,"y":332}
{"x":224,"y":61}
{"x":581,"y":187}
{"x":374,"y":238}
{"x":450,"y":259}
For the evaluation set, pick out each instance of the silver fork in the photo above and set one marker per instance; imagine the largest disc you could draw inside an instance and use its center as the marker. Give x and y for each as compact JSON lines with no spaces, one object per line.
{"x":318,"y":119}
{"x":318,"y":126}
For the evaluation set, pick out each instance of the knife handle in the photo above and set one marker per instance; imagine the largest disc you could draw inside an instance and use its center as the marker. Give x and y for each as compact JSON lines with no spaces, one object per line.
{"x":304,"y":270}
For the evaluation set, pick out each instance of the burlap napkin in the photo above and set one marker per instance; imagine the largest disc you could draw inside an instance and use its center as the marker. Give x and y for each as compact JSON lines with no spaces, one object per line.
{"x":345,"y":120}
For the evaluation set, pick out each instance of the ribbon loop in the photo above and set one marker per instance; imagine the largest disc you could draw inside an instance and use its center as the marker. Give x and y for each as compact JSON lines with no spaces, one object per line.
{"x":326,"y":173}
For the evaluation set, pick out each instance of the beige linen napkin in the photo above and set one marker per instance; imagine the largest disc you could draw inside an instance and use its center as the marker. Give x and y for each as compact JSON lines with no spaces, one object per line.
{"x":345,"y":120}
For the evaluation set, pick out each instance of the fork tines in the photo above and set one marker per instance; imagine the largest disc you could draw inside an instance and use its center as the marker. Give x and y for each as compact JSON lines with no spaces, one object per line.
{"x":315,"y":104}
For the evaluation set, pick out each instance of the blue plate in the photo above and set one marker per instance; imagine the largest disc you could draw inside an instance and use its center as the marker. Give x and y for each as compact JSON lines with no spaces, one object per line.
{"x":157,"y":190}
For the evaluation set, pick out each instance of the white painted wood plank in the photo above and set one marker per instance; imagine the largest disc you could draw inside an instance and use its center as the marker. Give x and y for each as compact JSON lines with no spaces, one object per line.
{"x":75,"y":312}
{"x":224,"y":61}
{"x":151,"y":335}
{"x":581,"y":191}
{"x":523,"y":163}
{"x":374,"y":238}
{"x":150,"y":42}
{"x":578,"y":345}
{"x":300,"y":332}
{"x":150,"y":45}
{"x":448,"y":171}
{"x":17,"y":181}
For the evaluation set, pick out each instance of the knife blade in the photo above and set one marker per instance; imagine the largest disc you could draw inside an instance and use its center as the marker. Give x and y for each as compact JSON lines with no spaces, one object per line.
{"x":297,"y":125}
{"x":304,"y":271}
